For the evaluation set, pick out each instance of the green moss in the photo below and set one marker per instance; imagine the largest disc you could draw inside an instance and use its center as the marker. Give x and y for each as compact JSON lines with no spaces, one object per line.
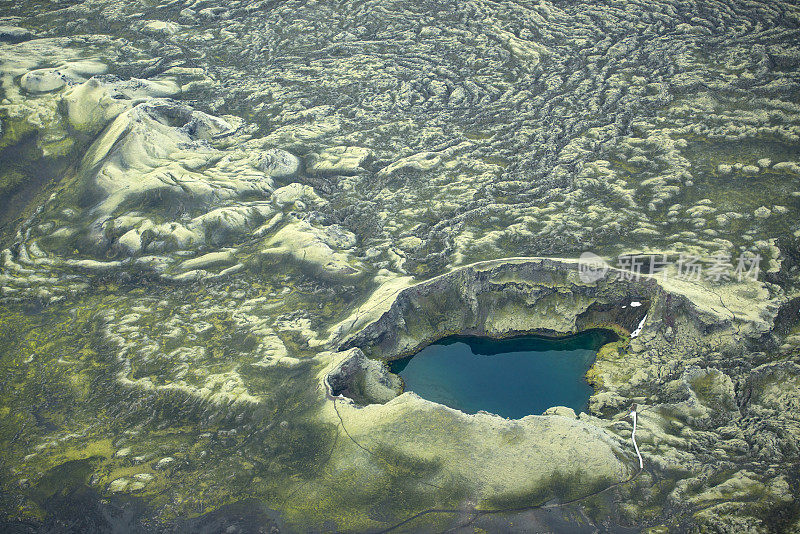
{"x":560,"y":485}
{"x":58,"y":147}
{"x":14,"y":131}
{"x":63,"y":477}
{"x":703,"y":386}
{"x":478,"y":136}
{"x":394,"y":487}
{"x":10,"y":181}
{"x":532,"y":497}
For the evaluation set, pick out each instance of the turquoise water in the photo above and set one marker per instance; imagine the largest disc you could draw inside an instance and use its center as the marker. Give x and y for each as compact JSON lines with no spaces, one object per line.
{"x":511,"y":377}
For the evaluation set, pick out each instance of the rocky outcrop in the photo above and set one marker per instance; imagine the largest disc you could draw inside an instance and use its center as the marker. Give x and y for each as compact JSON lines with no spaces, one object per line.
{"x":363,"y":380}
{"x":544,"y":297}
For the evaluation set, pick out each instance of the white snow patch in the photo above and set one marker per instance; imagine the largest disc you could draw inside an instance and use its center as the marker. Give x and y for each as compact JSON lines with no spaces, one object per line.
{"x":639,"y":328}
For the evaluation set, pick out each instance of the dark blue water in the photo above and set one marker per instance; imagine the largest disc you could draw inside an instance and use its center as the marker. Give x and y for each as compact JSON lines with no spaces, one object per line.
{"x":511,"y":377}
